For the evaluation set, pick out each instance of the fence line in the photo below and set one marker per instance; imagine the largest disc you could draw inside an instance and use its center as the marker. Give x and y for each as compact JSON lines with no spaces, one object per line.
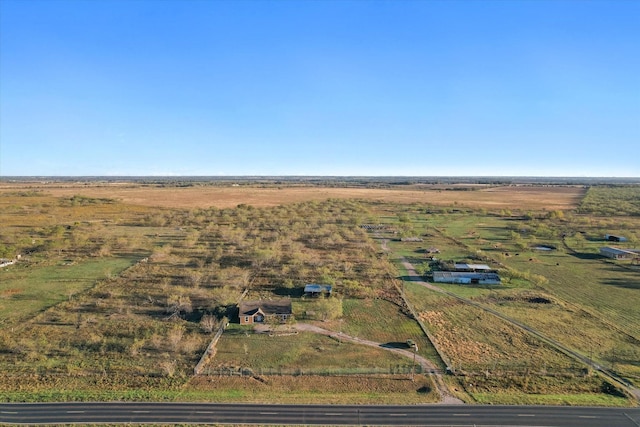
{"x":211,"y":348}
{"x":248,"y":372}
{"x":430,"y":337}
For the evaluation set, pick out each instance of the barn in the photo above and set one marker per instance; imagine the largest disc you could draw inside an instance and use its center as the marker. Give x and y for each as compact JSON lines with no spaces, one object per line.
{"x":472,"y":278}
{"x":617,"y":253}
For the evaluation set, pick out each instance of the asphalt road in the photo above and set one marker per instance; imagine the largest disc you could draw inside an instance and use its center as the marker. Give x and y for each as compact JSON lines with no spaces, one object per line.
{"x":209,"y":413}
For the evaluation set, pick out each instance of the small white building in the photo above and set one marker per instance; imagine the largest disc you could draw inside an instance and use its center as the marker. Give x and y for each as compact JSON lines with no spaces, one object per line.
{"x":617,"y":253}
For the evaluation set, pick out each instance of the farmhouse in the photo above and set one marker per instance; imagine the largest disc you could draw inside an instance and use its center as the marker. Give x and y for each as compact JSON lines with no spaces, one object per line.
{"x":617,"y":253}
{"x":313,"y":290}
{"x":466,"y":277}
{"x":614,"y":238}
{"x":265,"y":310}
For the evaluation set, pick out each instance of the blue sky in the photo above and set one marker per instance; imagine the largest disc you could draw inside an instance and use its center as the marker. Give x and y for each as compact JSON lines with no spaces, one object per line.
{"x":320,"y":87}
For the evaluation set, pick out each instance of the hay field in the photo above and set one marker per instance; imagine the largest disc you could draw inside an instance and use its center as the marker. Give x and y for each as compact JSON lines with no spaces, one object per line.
{"x":490,"y":197}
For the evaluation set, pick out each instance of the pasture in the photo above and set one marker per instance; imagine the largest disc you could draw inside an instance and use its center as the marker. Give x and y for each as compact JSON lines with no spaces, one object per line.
{"x":229,"y":196}
{"x":116,"y":281}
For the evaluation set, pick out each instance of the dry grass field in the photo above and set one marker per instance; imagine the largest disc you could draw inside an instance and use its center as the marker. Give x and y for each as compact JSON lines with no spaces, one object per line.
{"x":123,"y":275}
{"x":490,"y":197}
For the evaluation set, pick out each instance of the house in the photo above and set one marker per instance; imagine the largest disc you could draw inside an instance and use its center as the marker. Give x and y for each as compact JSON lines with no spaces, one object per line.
{"x":264,"y":311}
{"x":313,"y":290}
{"x":617,"y":253}
{"x":472,"y":267}
{"x":460,"y":277}
{"x":614,"y":238}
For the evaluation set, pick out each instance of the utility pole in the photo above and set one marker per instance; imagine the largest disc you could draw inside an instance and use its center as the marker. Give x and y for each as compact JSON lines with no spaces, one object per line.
{"x":413,"y":366}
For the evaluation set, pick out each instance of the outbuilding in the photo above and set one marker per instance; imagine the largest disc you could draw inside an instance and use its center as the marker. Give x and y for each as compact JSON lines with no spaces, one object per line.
{"x":617,"y":253}
{"x":614,"y":238}
{"x":472,"y":267}
{"x":313,"y":290}
{"x":470,"y":278}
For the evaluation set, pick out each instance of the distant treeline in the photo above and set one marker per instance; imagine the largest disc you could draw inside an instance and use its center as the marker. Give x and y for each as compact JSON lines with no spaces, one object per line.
{"x":359,"y":181}
{"x":608,"y":200}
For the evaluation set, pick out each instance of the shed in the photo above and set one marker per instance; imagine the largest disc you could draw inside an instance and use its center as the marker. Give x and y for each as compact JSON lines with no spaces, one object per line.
{"x":314,"y":290}
{"x":617,"y":253}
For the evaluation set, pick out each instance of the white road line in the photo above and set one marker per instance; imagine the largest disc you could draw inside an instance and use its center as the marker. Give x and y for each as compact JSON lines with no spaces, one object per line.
{"x":75,"y":412}
{"x":268,"y":413}
{"x":205,"y":412}
{"x":397,"y":415}
{"x":461,"y":415}
{"x":333,"y":413}
{"x":140,"y":412}
{"x":587,"y":416}
{"x":8,"y":412}
{"x":526,"y":415}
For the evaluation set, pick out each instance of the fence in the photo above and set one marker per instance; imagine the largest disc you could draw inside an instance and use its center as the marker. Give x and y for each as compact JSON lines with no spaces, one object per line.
{"x":443,"y":357}
{"x":211,"y":349}
{"x":279,"y":371}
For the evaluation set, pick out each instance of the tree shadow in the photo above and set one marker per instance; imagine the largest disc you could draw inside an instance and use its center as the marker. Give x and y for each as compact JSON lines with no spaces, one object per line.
{"x":396,"y":344}
{"x":586,"y":255}
{"x":412,"y":278}
{"x":619,"y":283}
{"x":295,"y":292}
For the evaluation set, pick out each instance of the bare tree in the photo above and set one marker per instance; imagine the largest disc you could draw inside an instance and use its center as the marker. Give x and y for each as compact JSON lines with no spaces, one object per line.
{"x":208,"y":323}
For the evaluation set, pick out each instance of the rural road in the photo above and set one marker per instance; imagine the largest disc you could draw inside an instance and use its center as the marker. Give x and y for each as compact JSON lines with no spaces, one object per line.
{"x":212,"y":413}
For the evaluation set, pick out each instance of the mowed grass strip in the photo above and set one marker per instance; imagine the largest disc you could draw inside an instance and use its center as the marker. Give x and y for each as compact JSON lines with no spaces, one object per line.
{"x":301,"y":389}
{"x":28,"y":289}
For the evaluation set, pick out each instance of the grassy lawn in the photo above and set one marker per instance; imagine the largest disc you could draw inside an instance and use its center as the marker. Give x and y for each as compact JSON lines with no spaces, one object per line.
{"x":299,"y":352}
{"x":384,"y":322}
{"x":27,"y":289}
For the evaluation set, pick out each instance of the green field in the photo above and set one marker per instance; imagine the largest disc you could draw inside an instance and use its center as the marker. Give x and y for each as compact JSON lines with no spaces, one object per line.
{"x":28,"y":289}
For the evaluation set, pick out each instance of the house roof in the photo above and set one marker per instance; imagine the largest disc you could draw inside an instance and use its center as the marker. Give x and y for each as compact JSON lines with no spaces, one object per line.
{"x":313,"y":288}
{"x":268,"y":307}
{"x":470,"y":275}
{"x":616,"y":251}
{"x":464,"y":266}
